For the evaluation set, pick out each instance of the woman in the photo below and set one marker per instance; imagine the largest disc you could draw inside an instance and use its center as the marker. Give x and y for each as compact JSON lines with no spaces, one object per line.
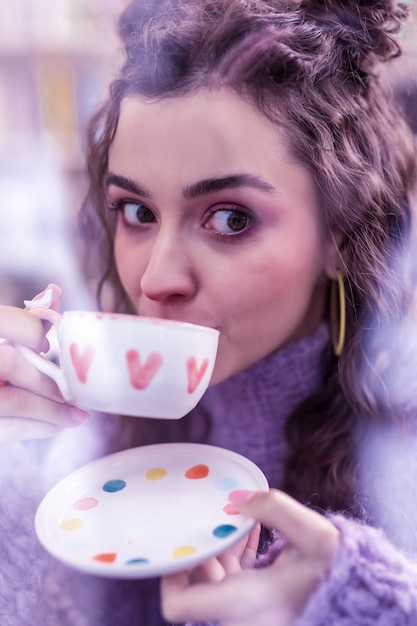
{"x":249,"y":171}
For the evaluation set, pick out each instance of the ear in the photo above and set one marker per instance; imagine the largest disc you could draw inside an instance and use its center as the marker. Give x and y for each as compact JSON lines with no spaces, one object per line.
{"x":334,"y":256}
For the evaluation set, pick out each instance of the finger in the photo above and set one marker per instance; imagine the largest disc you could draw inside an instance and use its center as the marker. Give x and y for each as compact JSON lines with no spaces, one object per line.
{"x":20,"y":403}
{"x":242,"y":555}
{"x":17,"y":325}
{"x":239,"y":556}
{"x":17,"y":370}
{"x":307,"y":530}
{"x":230,"y":560}
{"x":19,"y":429}
{"x":56,"y":296}
{"x":182,"y":602}
{"x":207,"y":601}
{"x":49,"y":298}
{"x":210,"y":571}
{"x":249,"y":555}
{"x":172,"y":588}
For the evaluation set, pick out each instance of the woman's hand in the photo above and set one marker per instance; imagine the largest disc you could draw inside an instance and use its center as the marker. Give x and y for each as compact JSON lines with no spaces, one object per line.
{"x":277,"y":594}
{"x":31,"y":405}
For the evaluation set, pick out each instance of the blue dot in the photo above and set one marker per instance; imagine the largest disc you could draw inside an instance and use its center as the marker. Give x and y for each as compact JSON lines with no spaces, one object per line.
{"x":137,"y":561}
{"x":224,"y":530}
{"x":114,"y":485}
{"x":226,"y":484}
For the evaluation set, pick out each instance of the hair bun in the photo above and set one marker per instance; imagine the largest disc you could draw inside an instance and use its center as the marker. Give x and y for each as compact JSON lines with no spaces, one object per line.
{"x":365,"y":28}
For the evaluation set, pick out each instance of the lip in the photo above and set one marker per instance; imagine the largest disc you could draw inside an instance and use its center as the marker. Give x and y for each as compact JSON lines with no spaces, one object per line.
{"x":184,"y":319}
{"x":183,"y":323}
{"x":175,"y":313}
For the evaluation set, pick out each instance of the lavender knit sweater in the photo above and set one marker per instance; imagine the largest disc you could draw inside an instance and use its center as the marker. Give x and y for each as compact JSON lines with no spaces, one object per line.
{"x":371,"y":582}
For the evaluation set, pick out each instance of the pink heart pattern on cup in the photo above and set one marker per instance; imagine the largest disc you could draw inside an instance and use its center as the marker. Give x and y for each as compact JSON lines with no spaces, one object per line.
{"x":140,"y":375}
{"x":82,"y":361}
{"x":195,"y":374}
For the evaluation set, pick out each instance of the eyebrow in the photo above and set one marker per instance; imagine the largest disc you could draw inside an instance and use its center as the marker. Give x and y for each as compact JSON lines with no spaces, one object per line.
{"x":201,"y":188}
{"x":128,"y":184}
{"x":212,"y":185}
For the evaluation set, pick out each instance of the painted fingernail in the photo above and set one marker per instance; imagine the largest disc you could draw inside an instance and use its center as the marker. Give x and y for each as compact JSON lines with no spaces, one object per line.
{"x":240,"y":496}
{"x":45,"y":346}
{"x":78,"y":415}
{"x":55,"y":288}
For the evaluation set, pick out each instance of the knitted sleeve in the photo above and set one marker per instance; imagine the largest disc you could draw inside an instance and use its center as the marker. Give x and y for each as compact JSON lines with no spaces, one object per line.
{"x":370,"y":583}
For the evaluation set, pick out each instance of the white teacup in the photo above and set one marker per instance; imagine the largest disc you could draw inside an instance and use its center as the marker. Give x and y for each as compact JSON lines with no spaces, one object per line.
{"x":128,"y":364}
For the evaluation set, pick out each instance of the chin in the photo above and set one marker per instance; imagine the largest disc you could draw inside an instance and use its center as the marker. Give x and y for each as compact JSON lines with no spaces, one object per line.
{"x":220,"y":373}
{"x":223,"y":371}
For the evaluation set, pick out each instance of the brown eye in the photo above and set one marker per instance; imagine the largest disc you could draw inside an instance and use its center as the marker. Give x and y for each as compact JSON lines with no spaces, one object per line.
{"x":136,"y":214}
{"x":228,"y":221}
{"x":237,"y":221}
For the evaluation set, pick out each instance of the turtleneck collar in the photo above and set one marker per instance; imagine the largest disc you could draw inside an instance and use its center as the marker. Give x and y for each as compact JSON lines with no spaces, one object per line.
{"x":248,"y":411}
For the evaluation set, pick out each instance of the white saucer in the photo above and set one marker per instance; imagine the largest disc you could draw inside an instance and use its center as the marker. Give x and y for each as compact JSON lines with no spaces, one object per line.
{"x":147,"y":511}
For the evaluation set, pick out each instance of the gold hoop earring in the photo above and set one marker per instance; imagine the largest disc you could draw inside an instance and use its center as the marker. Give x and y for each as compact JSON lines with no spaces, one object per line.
{"x":338,"y":313}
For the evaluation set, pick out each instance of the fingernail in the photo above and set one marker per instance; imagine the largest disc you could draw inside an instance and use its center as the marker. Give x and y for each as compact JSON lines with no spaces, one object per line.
{"x":45,"y":346}
{"x":240,"y":496}
{"x":55,"y":288}
{"x":78,"y":415}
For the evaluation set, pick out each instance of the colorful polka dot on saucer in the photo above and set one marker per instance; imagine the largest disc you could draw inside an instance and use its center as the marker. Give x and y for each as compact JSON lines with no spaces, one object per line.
{"x":148,"y":511}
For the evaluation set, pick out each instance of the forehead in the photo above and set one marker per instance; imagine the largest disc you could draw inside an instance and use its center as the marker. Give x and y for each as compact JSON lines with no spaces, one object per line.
{"x":222,"y":118}
{"x":206,"y":134}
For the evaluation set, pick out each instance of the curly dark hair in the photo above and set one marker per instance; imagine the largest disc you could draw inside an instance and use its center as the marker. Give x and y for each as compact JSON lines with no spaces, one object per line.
{"x":312,"y":67}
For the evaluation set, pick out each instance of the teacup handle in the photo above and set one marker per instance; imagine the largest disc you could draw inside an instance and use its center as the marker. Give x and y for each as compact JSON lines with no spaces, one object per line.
{"x":41,"y":363}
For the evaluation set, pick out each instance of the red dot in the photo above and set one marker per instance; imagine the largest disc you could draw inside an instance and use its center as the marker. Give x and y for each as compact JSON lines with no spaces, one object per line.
{"x":105,"y":557}
{"x":197,"y":471}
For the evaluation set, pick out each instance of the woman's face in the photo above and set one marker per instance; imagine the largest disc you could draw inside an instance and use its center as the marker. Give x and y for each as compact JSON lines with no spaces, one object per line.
{"x":217,"y":224}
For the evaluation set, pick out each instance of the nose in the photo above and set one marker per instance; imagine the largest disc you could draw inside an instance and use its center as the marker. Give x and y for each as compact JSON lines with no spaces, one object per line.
{"x":169,"y":272}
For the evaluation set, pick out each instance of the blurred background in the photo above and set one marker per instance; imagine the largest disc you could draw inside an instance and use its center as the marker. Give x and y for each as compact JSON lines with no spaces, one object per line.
{"x":56,"y":57}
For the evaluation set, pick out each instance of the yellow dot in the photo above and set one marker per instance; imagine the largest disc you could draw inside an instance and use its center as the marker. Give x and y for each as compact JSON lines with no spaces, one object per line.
{"x":156,"y":473}
{"x":71,"y":524}
{"x":182,"y":551}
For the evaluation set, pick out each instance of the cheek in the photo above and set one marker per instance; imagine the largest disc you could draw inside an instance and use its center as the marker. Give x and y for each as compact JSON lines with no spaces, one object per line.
{"x":262,"y":279}
{"x":276,"y":288}
{"x":127,"y":265}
